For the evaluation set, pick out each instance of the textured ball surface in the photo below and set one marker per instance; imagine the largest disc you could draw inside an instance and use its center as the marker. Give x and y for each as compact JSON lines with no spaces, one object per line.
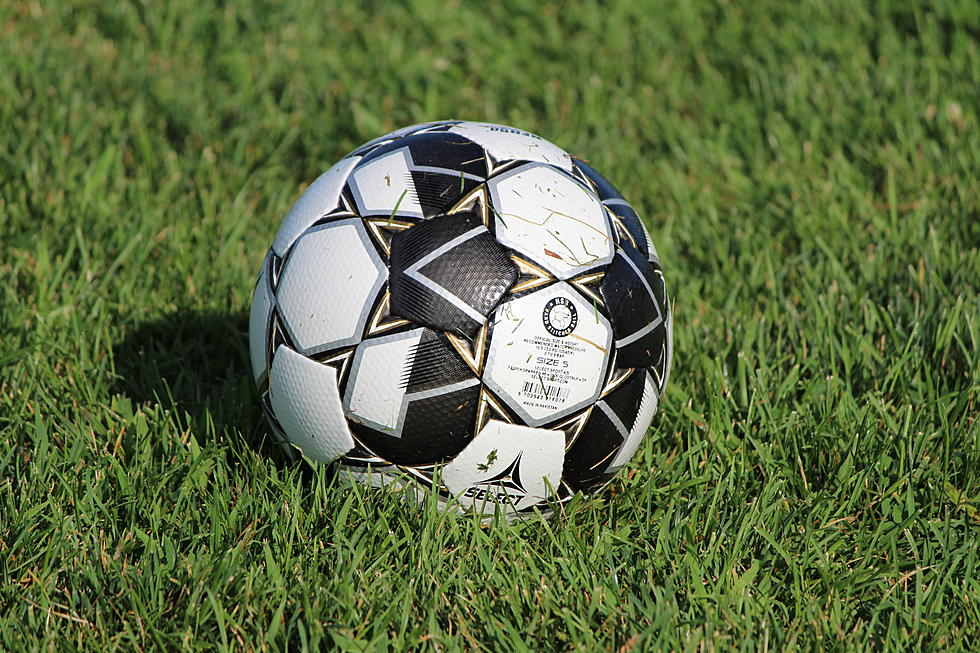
{"x":466,"y":307}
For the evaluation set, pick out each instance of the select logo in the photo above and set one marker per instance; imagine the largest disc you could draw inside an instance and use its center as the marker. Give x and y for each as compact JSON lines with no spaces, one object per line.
{"x":509,"y":481}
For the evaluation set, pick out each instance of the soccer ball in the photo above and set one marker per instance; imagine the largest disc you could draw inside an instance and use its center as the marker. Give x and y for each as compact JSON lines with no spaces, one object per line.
{"x":463,"y":308}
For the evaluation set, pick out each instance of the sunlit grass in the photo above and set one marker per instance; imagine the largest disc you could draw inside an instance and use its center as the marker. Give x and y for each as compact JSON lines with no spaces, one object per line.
{"x":808,"y":172}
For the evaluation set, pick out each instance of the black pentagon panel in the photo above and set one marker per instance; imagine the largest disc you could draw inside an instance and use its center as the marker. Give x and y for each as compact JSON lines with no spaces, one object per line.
{"x":477,"y":271}
{"x":588,"y":461}
{"x":588,"y":458}
{"x":438,"y":151}
{"x":635,"y":298}
{"x":433,"y":364}
{"x":438,"y":192}
{"x":436,"y":429}
{"x":372,"y":146}
{"x":447,"y":151}
{"x":661,"y":366}
{"x":604,"y":189}
{"x":448,"y":273}
{"x":398,"y":134}
{"x":625,"y":400}
{"x":634,"y":241}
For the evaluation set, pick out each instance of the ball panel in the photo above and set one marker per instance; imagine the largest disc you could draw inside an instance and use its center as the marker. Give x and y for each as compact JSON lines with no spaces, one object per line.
{"x":435,"y":363}
{"x":477,"y":270}
{"x":652,"y":254}
{"x":447,"y":153}
{"x":322,"y":197}
{"x":586,"y":460}
{"x":549,"y":217}
{"x":375,"y":394}
{"x":625,"y":399}
{"x":305,"y":399}
{"x":400,"y":133}
{"x":514,"y":465}
{"x":613,"y":199}
{"x":661,"y":369}
{"x":548,"y":353}
{"x":383,"y":186}
{"x":438,"y":192}
{"x":603,"y":187}
{"x":508,"y":144}
{"x":448,"y":273}
{"x":635,"y":240}
{"x":634,"y":298}
{"x":609,"y":429}
{"x":258,"y":322}
{"x":643,"y":418}
{"x":328,"y":285}
{"x":438,"y":424}
{"x":433,"y":170}
{"x":650,"y":349}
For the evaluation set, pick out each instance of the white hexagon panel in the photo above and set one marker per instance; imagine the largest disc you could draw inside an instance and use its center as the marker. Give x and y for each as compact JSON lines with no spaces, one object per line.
{"x":513,"y":465}
{"x":328,"y":286}
{"x":383,"y":186}
{"x":320,"y":198}
{"x":504,"y":143}
{"x":552,"y":219}
{"x":306,"y":401}
{"x":548,"y":354}
{"x":258,"y":321}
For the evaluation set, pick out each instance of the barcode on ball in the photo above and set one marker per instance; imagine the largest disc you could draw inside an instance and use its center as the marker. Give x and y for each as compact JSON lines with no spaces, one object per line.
{"x":552,"y":392}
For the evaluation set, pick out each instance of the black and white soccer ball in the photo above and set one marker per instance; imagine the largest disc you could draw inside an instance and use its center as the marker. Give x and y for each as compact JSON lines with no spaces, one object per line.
{"x":463,"y":307}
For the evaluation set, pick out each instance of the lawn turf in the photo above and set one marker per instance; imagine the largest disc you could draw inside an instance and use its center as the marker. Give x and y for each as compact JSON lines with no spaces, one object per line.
{"x":809,"y":172}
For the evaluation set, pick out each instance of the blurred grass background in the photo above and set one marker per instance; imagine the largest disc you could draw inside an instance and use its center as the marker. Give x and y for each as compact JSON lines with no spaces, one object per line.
{"x":808,"y":172}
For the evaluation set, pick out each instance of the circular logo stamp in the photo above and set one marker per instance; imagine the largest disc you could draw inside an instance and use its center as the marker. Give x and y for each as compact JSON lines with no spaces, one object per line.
{"x":559,"y":316}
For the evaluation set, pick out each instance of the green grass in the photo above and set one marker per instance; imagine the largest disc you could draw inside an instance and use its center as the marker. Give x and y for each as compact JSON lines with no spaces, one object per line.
{"x":809,"y":172}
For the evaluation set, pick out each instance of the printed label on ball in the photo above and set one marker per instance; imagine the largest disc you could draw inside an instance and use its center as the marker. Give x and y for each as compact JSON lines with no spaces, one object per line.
{"x":560,"y":317}
{"x":548,"y":354}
